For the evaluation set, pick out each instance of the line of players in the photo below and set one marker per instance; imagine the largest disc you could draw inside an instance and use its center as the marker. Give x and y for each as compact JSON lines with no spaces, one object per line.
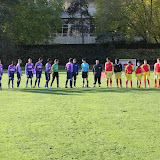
{"x":72,"y":68}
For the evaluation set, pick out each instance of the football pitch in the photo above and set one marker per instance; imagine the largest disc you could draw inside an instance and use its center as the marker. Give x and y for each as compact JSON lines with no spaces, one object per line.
{"x":82,"y":123}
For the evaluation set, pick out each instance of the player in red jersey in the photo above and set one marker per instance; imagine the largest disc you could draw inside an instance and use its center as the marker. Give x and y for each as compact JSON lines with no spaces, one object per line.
{"x":128,"y":73}
{"x":109,"y":71}
{"x":157,"y":72}
{"x":146,"y":73}
{"x":138,"y":73}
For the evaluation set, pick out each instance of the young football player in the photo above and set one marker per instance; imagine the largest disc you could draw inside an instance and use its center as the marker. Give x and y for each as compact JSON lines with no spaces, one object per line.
{"x":97,"y":70}
{"x":1,"y":73}
{"x":109,"y":71}
{"x":118,"y":72}
{"x":69,"y":68}
{"x":157,"y":73}
{"x":38,"y":70}
{"x":55,"y":73}
{"x":128,"y":73}
{"x":75,"y":71}
{"x":85,"y":71}
{"x":138,"y":74}
{"x":48,"y":71}
{"x":11,"y":71}
{"x":29,"y":70}
{"x":19,"y":73}
{"x":146,"y":73}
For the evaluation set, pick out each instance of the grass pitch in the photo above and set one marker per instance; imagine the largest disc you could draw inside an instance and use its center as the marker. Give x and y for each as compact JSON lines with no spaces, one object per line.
{"x":82,"y":123}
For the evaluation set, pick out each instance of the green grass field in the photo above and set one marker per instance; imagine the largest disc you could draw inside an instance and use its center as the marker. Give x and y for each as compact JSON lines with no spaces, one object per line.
{"x":82,"y":123}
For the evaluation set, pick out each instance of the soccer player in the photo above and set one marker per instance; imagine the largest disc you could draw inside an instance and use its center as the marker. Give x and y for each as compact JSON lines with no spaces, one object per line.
{"x":19,"y":73}
{"x":97,"y":70}
{"x":157,"y":73}
{"x":138,"y":73}
{"x":128,"y":73}
{"x":118,"y":72}
{"x":85,"y":71}
{"x":69,"y":68}
{"x":29,"y":70}
{"x":48,"y":71}
{"x":109,"y":71}
{"x":55,"y":73}
{"x":38,"y":70}
{"x":11,"y":71}
{"x":75,"y":71}
{"x":1,"y":73}
{"x":146,"y":73}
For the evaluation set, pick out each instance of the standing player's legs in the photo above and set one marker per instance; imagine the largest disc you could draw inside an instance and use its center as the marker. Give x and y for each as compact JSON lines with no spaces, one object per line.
{"x":128,"y":78}
{"x":0,"y":83}
{"x":138,"y":80}
{"x":120,"y":82}
{"x":83,"y":79}
{"x":110,"y":82}
{"x":69,"y":77}
{"x":95,"y":80}
{"x":158,"y":78}
{"x":31,"y":82}
{"x":144,"y":78}
{"x":57,"y":76}
{"x":11,"y":78}
{"x":148,"y":81}
{"x":107,"y":81}
{"x":99,"y":81}
{"x":155,"y":80}
{"x":27,"y":82}
{"x":87,"y":81}
{"x":71,"y":81}
{"x":126,"y":83}
{"x":47,"y":79}
{"x":75,"y":78}
{"x":85,"y":76}
{"x":117,"y":77}
{"x":38,"y":77}
{"x":53,"y":78}
{"x":109,"y":77}
{"x":18,"y":79}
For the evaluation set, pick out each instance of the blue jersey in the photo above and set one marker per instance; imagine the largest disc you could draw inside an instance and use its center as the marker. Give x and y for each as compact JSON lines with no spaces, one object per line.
{"x":75,"y":68}
{"x":85,"y":67}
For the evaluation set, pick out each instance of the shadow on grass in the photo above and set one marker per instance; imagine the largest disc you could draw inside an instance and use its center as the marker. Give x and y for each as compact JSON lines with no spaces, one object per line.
{"x":79,"y":91}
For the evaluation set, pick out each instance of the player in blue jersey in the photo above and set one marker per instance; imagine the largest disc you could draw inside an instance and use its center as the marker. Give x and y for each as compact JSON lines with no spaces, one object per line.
{"x":85,"y":71}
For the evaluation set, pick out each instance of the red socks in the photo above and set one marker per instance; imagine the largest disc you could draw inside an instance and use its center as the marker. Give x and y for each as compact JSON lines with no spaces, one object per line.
{"x":117,"y":82}
{"x":107,"y":82}
{"x":155,"y":81}
{"x":145,"y":83}
{"x":121,"y":82}
{"x":138,"y":84}
{"x":126,"y":84}
{"x":131,"y":84}
{"x":111,"y":82}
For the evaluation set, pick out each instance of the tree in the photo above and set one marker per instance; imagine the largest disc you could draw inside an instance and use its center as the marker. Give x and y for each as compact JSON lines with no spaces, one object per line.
{"x":5,"y":14}
{"x":79,"y":17}
{"x":34,"y":21}
{"x":131,"y":17}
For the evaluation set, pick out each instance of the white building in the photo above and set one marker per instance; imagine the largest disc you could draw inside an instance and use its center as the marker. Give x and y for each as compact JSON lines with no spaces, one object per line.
{"x":64,"y":36}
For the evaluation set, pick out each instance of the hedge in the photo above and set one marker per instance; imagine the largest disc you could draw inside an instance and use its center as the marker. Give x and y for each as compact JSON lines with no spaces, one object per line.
{"x":90,"y":52}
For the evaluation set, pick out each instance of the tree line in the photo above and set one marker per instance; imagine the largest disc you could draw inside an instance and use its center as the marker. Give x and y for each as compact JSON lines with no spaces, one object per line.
{"x":30,"y":22}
